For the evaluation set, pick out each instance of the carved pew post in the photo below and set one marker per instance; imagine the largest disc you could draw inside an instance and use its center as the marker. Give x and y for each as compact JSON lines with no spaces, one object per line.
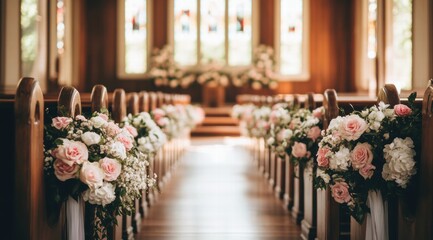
{"x":289,"y":193}
{"x":424,"y":228}
{"x":133,"y":108}
{"x":30,"y":218}
{"x":164,"y":152}
{"x":328,"y":211}
{"x":119,"y":113}
{"x":298,"y":184}
{"x":308,"y":224}
{"x":267,"y":172}
{"x":273,"y":156}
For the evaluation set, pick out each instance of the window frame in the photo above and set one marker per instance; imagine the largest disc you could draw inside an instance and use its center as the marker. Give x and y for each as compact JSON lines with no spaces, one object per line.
{"x":121,"y":73}
{"x":305,"y":73}
{"x":201,"y":67}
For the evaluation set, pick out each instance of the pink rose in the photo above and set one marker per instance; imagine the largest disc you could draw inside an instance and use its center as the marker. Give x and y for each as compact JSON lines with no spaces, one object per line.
{"x":273,"y":118}
{"x":340,"y":192}
{"x":80,"y":117}
{"x":314,"y":133}
{"x":71,"y":152}
{"x":126,"y":140}
{"x":294,"y":123}
{"x":322,"y":159}
{"x":112,"y":129}
{"x":318,"y":112}
{"x":162,"y":122}
{"x":299,"y":150}
{"x":103,"y":116}
{"x":61,"y":122}
{"x":158,"y":113}
{"x":402,"y":110}
{"x":92,"y":175}
{"x":361,"y":155}
{"x":367,"y":171}
{"x":111,"y":168}
{"x":132,"y":130}
{"x":63,"y":171}
{"x":352,"y":127}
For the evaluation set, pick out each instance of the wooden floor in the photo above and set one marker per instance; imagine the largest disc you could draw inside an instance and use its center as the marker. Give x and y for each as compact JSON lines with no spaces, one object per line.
{"x":217,"y":193}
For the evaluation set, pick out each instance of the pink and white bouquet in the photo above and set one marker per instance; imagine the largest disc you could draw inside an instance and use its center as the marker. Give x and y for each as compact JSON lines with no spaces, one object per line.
{"x":148,"y":135}
{"x":243,"y":113}
{"x":307,"y":126}
{"x":370,"y":150}
{"x":195,"y":115}
{"x":95,"y":159}
{"x":279,"y":134}
{"x":259,"y":126}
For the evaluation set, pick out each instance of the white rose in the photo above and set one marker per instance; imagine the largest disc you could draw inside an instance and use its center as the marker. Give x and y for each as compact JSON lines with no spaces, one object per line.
{"x":271,"y":141}
{"x":340,"y":160}
{"x":141,"y":141}
{"x":92,"y":175}
{"x":322,"y":174}
{"x":100,"y":196}
{"x":117,"y":149}
{"x":98,"y":122}
{"x":90,"y":138}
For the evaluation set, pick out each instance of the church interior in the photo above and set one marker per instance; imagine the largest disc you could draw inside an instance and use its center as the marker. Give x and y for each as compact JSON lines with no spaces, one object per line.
{"x":216,"y":119}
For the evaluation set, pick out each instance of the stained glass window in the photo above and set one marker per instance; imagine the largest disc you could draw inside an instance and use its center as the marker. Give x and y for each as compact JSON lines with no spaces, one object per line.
{"x":240,"y":32}
{"x":400,"y":64}
{"x":135,"y":37}
{"x":185,"y":30}
{"x":213,"y":31}
{"x":29,"y":36}
{"x":291,"y":37}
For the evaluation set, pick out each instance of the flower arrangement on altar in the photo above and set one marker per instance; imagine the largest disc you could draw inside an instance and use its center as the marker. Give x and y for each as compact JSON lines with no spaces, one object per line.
{"x":261,"y":74}
{"x":148,"y":135}
{"x":96,"y":160}
{"x":165,"y":72}
{"x":213,"y":76}
{"x":369,"y":152}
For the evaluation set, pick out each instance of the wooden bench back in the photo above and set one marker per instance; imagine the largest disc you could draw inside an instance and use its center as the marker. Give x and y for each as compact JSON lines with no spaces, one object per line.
{"x":69,"y":102}
{"x":424,"y":215}
{"x":30,"y":209}
{"x":133,"y":104}
{"x":99,"y":98}
{"x":143,"y":101}
{"x":119,"y":105}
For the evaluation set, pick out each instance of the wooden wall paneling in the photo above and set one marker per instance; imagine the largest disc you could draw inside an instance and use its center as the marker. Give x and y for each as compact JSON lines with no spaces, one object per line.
{"x":424,"y":228}
{"x":328,"y":211}
{"x":30,"y":218}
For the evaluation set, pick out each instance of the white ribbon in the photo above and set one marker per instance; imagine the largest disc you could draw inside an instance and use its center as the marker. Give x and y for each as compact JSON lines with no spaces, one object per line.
{"x":75,"y":219}
{"x":377,"y":220}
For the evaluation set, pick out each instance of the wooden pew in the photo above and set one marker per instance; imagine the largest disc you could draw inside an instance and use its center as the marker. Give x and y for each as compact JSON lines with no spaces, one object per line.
{"x":133,"y":105}
{"x":29,"y":206}
{"x":297,"y":181}
{"x":308,"y":224}
{"x":119,"y":113}
{"x":289,"y":179}
{"x":328,"y":211}
{"x":424,"y":213}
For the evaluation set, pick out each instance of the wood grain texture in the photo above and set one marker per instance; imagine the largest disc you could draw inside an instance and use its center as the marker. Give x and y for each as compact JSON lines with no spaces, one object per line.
{"x":424,"y":230}
{"x":99,"y":98}
{"x":69,"y":102}
{"x":217,"y":193}
{"x":328,"y":211}
{"x":30,"y":206}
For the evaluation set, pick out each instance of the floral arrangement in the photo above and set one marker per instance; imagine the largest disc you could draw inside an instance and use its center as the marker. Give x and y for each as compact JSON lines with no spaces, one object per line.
{"x":261,"y":74}
{"x":259,"y":125}
{"x":370,"y":150}
{"x":97,"y":160}
{"x":148,"y":135}
{"x":243,"y":113}
{"x":165,"y":71}
{"x":306,"y":126}
{"x":213,"y":77}
{"x":279,"y":133}
{"x":195,"y":115}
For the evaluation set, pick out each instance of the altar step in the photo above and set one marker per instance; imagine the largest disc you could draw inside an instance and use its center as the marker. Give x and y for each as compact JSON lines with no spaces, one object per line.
{"x":217,"y":122}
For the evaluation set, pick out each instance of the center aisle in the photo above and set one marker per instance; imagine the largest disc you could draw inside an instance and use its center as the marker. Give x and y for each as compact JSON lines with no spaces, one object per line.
{"x":217,"y":193}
